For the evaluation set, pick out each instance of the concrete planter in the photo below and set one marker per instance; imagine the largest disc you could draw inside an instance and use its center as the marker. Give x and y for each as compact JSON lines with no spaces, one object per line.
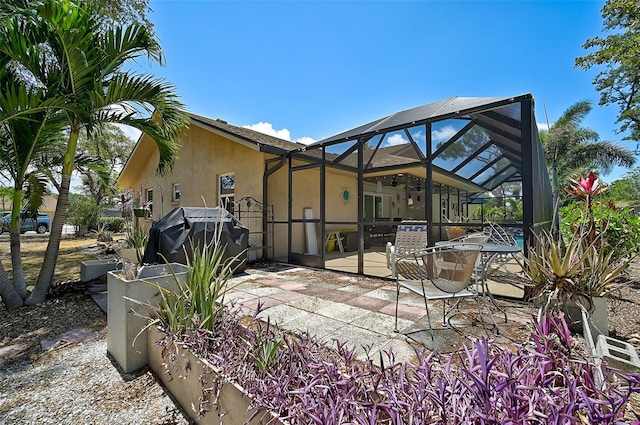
{"x":126,"y":319}
{"x":598,"y":319}
{"x":129,"y":254}
{"x":455,"y":233}
{"x":186,"y":375}
{"x":94,"y":269}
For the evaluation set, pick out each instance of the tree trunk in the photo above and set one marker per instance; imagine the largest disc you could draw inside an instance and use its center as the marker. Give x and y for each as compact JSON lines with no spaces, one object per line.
{"x":45,"y":279}
{"x":8,"y":294}
{"x":19,"y":284}
{"x":16,"y":264}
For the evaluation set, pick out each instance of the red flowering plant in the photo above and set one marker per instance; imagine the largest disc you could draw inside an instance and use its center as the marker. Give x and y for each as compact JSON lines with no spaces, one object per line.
{"x":586,"y":189}
{"x":585,"y":261}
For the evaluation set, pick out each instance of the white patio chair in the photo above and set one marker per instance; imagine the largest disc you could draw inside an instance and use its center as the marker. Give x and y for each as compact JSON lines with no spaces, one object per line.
{"x":498,"y":234}
{"x":440,"y":273}
{"x":411,"y":236}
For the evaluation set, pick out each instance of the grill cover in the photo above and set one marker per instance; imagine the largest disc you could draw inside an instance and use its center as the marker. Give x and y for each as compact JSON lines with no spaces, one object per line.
{"x":173,"y":236}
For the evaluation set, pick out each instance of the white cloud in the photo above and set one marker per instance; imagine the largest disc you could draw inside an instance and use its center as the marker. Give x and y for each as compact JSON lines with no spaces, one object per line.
{"x":267,"y":128}
{"x":443,"y":134}
{"x":543,"y":127}
{"x":419,"y":136}
{"x":306,"y":140}
{"x":396,"y":139}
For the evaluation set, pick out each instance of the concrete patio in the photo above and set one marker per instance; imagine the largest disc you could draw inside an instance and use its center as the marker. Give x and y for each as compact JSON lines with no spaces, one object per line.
{"x":360,"y":311}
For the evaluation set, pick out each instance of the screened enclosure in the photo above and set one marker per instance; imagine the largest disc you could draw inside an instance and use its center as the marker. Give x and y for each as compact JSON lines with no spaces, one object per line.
{"x":456,"y":164}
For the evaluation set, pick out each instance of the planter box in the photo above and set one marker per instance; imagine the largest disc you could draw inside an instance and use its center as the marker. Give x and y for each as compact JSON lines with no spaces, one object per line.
{"x":129,"y":254}
{"x":455,"y":233}
{"x":598,"y":319}
{"x":141,"y":212}
{"x":186,"y":375}
{"x":126,"y":319}
{"x":94,"y":269}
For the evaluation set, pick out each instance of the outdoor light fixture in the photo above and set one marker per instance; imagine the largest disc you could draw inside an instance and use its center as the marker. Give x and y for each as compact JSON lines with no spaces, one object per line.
{"x":394,"y":182}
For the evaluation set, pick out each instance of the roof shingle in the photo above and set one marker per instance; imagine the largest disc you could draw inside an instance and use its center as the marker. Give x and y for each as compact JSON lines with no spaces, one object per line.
{"x":271,"y":143}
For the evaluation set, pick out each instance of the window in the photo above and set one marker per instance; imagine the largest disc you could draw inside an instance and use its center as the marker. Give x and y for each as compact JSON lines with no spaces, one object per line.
{"x":148,"y":203}
{"x":226,"y":190}
{"x":373,"y":206}
{"x":175,"y":192}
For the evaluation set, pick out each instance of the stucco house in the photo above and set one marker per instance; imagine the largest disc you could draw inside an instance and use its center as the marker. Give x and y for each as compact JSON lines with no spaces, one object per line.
{"x":442,"y":163}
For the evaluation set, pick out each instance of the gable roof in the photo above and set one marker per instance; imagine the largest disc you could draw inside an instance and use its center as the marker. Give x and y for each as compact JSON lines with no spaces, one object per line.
{"x":261,"y":142}
{"x":265,"y":142}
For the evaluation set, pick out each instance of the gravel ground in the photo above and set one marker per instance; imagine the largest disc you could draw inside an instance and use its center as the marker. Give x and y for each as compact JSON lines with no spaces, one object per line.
{"x":73,"y":382}
{"x":78,"y":383}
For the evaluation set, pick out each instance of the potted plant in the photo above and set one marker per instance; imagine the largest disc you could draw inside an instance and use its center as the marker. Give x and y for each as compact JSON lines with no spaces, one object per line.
{"x":131,"y":294}
{"x":141,"y":212}
{"x":456,"y":230}
{"x":575,"y":274}
{"x":195,"y":306}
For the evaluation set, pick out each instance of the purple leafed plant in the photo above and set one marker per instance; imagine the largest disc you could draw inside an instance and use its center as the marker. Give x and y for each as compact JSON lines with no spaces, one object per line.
{"x":306,"y":382}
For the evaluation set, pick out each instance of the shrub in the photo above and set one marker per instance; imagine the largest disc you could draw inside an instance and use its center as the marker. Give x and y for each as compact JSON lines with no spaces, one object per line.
{"x":546,"y":381}
{"x":83,"y":213}
{"x":137,"y":239}
{"x":619,"y":227}
{"x":112,"y":224}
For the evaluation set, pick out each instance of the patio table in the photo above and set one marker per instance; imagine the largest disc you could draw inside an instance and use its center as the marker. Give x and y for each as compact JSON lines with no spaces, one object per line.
{"x":490,"y":252}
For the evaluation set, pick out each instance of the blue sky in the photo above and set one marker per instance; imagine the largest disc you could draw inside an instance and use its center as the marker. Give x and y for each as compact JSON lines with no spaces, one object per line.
{"x":311,"y":69}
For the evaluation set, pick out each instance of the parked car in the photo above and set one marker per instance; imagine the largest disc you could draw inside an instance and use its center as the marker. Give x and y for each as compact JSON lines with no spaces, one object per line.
{"x":41,"y":223}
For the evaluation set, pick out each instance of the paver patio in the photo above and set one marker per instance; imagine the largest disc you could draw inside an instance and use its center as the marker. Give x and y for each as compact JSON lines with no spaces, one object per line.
{"x":360,"y":311}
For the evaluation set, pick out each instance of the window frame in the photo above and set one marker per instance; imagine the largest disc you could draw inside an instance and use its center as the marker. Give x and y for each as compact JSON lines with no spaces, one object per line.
{"x":175,"y":192}
{"x":148,"y":200}
{"x":227,"y":199}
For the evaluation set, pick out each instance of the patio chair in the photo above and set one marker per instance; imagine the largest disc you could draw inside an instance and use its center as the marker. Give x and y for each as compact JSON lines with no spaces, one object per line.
{"x":411,"y":236}
{"x":504,"y":267}
{"x":439,"y":273}
{"x":498,"y":234}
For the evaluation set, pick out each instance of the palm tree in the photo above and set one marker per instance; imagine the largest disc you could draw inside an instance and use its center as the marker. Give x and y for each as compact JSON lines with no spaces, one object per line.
{"x":570,"y":149}
{"x":27,"y":126}
{"x":84,"y":70}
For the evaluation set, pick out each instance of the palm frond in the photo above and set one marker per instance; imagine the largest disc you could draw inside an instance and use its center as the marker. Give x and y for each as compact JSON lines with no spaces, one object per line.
{"x":602,"y":155}
{"x":574,"y":115}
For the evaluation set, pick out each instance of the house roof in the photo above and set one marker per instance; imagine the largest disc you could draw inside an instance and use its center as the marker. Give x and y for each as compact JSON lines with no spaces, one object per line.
{"x":259,"y":141}
{"x":485,"y":148}
{"x":442,"y":109}
{"x":264,"y":141}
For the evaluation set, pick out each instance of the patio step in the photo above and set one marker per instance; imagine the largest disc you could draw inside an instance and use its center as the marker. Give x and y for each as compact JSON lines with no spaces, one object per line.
{"x":618,"y":354}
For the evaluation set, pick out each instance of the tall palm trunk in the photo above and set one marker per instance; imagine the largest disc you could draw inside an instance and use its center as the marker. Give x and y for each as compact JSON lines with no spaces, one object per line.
{"x":16,"y":264}
{"x":45,"y":278}
{"x":8,"y":293}
{"x":14,"y":237}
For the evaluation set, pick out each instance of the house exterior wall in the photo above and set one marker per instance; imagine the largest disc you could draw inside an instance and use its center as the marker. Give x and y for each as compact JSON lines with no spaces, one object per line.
{"x":306,"y":194}
{"x":204,"y":156}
